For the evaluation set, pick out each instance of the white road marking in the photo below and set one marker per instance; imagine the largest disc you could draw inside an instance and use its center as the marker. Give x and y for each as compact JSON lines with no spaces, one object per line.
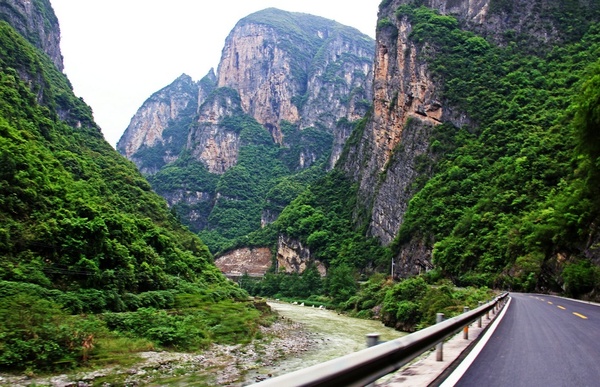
{"x":466,"y":363}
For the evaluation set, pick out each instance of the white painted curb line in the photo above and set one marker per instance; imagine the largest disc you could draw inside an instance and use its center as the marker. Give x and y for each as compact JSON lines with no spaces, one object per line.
{"x":465,"y":364}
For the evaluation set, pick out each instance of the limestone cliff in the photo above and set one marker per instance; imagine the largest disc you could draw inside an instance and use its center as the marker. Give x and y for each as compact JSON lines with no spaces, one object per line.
{"x":35,"y":20}
{"x":157,"y":132}
{"x":299,"y":68}
{"x":283,"y":99}
{"x":406,"y":105}
{"x":387,"y":153}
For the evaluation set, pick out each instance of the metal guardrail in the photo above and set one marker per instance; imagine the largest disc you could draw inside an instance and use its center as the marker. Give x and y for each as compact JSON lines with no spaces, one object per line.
{"x":365,"y":366}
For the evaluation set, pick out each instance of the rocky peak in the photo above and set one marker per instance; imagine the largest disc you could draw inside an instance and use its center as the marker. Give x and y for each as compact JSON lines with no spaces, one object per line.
{"x":160,"y":126}
{"x":292,"y":67}
{"x":405,"y":105}
{"x":299,"y":68}
{"x":36,"y":21}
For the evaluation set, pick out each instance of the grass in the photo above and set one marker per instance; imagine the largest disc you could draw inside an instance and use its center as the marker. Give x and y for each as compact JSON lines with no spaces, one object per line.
{"x":120,"y":351}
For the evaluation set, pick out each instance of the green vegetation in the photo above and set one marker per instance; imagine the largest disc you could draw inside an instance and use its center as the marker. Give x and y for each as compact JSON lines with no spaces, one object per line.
{"x":321,"y":218}
{"x":413,"y":303}
{"x":265,"y":179}
{"x":512,"y":191}
{"x":92,"y":259}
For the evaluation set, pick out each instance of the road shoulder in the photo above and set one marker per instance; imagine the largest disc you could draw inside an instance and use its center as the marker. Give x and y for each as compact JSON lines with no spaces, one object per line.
{"x":427,"y":371}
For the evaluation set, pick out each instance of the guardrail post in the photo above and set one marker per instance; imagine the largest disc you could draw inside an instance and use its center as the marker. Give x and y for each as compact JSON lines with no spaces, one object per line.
{"x":372,"y":339}
{"x":466,"y":328}
{"x":479,"y":322}
{"x":439,"y":348}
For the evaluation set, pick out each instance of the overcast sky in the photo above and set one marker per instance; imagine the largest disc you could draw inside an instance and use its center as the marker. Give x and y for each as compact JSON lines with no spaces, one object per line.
{"x":119,"y":52}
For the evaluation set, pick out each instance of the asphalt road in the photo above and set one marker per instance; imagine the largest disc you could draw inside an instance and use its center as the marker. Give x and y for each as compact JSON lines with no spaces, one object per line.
{"x":541,"y":341}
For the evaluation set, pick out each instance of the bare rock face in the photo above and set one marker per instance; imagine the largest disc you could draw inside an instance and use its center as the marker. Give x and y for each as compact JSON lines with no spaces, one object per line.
{"x":160,"y":126}
{"x":293,"y":257}
{"x":340,"y":82}
{"x":405,"y":108}
{"x":297,"y":68}
{"x":213,"y":144}
{"x":252,"y":261}
{"x":36,"y":21}
{"x":259,"y":70}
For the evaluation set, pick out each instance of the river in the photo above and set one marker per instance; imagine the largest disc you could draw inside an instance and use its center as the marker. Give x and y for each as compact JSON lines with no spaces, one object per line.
{"x":337,"y":335}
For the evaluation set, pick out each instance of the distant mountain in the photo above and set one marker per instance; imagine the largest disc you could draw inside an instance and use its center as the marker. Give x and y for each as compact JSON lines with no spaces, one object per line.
{"x":229,"y":152}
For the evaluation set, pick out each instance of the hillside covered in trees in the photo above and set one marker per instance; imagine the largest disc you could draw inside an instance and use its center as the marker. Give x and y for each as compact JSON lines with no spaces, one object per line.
{"x":495,"y":184}
{"x":83,"y":234}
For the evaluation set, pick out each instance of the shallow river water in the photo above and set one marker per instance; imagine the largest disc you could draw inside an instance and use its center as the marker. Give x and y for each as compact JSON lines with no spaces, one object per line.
{"x":337,"y":335}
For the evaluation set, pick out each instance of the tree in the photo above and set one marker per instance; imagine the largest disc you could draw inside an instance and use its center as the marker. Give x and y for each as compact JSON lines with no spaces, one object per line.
{"x":341,"y":284}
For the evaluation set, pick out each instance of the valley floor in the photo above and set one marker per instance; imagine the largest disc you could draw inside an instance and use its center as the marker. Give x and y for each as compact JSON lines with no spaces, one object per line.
{"x":220,"y":365}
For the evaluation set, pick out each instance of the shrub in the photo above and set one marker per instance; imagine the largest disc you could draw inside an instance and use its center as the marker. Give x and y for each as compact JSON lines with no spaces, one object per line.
{"x":580,"y":277}
{"x":37,"y":334}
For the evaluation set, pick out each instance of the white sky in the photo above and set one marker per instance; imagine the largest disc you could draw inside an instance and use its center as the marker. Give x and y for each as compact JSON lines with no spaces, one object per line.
{"x":119,"y":52}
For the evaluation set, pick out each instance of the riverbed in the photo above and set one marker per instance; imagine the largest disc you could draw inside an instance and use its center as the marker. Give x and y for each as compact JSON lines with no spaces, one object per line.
{"x":335,"y":335}
{"x":302,"y":336}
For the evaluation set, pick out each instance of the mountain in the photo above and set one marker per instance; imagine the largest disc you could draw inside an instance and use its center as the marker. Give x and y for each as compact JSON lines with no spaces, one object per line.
{"x":477,"y":161}
{"x":230,"y":151}
{"x":159,"y":128}
{"x":35,"y":21}
{"x":81,"y":231}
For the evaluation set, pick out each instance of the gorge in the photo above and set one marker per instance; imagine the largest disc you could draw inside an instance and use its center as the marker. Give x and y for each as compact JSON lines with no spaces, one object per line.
{"x":389,"y":179}
{"x":409,"y":145}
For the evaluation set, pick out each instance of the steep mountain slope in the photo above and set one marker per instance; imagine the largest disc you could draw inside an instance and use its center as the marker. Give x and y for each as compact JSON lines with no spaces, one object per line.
{"x":511,"y":163}
{"x":275,"y":116}
{"x":471,"y":162}
{"x":298,"y":68}
{"x":76,"y":218}
{"x":34,"y":21}
{"x":159,"y":129}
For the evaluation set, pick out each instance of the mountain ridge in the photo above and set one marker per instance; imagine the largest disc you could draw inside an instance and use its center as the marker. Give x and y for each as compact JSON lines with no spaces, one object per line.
{"x":301,"y":77}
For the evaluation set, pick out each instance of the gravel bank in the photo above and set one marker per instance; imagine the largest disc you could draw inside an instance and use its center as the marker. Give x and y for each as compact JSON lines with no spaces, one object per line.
{"x":220,"y":365}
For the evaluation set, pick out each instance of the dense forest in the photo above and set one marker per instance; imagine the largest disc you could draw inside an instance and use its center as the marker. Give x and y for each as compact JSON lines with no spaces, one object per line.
{"x":91,"y":257}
